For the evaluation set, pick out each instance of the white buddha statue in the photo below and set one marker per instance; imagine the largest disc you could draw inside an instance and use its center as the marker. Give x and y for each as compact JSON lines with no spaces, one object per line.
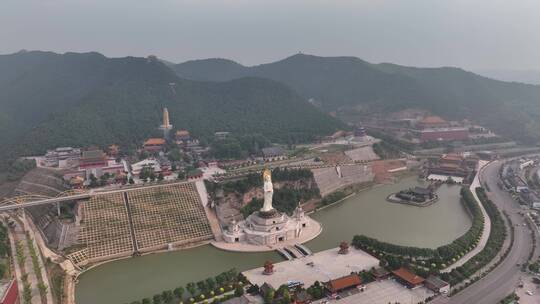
{"x":268,"y":191}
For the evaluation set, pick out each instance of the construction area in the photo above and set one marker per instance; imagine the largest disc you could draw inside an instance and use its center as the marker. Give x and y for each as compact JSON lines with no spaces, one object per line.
{"x":135,"y":221}
{"x":331,"y":179}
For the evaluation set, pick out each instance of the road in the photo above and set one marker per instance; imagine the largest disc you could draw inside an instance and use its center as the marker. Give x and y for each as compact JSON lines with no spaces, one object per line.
{"x":503,"y":280}
{"x":487,"y":224}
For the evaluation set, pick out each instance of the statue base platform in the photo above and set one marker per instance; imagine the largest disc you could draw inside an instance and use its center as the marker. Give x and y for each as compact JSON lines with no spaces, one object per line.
{"x":269,"y":214}
{"x":251,"y":241}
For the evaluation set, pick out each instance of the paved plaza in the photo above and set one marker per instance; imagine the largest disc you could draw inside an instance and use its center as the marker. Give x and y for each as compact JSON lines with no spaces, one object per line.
{"x":383,"y":292}
{"x":322,"y":266}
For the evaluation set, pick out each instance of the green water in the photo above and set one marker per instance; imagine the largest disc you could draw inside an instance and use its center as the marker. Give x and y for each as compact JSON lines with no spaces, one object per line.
{"x":365,"y":213}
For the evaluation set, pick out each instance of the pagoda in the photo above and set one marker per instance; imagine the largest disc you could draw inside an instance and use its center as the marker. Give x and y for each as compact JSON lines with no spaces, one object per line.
{"x":166,"y":126}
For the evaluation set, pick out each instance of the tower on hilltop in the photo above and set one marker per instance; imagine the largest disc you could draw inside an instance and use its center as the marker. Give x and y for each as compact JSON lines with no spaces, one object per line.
{"x":166,"y":125}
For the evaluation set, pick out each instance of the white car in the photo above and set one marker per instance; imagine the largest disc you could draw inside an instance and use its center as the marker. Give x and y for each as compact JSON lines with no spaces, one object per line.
{"x":530,"y":293}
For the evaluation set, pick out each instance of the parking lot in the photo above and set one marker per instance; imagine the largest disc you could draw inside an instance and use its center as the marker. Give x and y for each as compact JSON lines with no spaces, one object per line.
{"x":384,"y":292}
{"x":528,"y":285}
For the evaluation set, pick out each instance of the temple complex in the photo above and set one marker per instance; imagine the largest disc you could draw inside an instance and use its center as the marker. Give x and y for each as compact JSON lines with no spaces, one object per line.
{"x":268,"y":226}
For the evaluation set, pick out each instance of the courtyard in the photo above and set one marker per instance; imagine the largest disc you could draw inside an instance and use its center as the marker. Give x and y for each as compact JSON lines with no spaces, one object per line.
{"x":382,"y":292}
{"x":322,"y":266}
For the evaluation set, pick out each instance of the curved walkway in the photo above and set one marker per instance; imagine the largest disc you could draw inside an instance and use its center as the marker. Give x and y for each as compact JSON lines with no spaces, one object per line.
{"x":17,"y":235}
{"x":487,"y":222}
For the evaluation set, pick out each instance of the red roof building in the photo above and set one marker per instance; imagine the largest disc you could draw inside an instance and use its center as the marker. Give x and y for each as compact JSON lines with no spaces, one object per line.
{"x":408,"y":278}
{"x":154,"y":144}
{"x":444,"y":134}
{"x":342,"y":283}
{"x":432,"y":122}
{"x":93,"y":159}
{"x":182,"y":135}
{"x":9,"y":292}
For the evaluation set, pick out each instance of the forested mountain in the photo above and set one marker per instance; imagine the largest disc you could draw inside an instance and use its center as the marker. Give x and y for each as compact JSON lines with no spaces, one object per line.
{"x":347,"y":82}
{"x":333,"y":81}
{"x":216,"y":69}
{"x":49,"y":100}
{"x":523,"y":76}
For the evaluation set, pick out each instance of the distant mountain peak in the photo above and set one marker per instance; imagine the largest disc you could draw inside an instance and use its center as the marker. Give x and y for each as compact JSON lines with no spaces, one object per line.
{"x":223,"y":61}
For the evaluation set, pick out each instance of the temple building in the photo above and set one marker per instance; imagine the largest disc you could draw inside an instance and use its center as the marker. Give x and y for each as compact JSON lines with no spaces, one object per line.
{"x":444,"y":134}
{"x":459,"y":167}
{"x":434,"y":128}
{"x":94,"y":162}
{"x":430,"y":122}
{"x":182,"y":136}
{"x":268,"y":226}
{"x":271,"y":154}
{"x":154,"y":144}
{"x":63,"y":157}
{"x":94,"y":158}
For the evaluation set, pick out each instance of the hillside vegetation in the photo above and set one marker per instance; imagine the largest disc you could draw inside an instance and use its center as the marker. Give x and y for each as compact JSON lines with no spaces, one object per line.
{"x":349,"y":83}
{"x":49,"y":100}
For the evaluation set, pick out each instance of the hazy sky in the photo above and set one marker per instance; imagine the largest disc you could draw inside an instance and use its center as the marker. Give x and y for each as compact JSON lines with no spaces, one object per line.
{"x":487,"y":34}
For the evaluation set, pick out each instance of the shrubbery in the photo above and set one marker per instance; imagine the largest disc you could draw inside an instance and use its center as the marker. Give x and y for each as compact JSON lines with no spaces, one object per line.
{"x":333,"y":197}
{"x":285,"y":200}
{"x":211,"y":288}
{"x":493,"y":246}
{"x":4,"y":250}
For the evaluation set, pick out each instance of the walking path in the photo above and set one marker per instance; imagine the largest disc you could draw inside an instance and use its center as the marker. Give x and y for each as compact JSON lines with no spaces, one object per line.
{"x":71,"y":271}
{"x":210,"y":213}
{"x":487,"y":223}
{"x":19,"y":236}
{"x":18,"y":270}
{"x":44,"y":274}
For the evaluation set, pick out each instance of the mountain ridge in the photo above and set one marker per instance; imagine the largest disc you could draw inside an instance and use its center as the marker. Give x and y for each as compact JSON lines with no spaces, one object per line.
{"x":50,"y":100}
{"x":347,"y":82}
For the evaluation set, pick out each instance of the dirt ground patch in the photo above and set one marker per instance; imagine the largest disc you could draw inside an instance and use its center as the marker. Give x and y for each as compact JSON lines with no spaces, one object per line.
{"x":310,"y":205}
{"x":380,"y":169}
{"x":334,"y":158}
{"x":6,"y":188}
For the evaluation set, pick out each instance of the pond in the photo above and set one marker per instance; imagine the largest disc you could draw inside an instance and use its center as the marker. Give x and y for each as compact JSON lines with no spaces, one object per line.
{"x":366,"y":213}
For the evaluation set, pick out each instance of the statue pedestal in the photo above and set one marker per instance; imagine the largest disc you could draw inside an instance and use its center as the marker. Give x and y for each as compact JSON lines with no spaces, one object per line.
{"x":269,"y":214}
